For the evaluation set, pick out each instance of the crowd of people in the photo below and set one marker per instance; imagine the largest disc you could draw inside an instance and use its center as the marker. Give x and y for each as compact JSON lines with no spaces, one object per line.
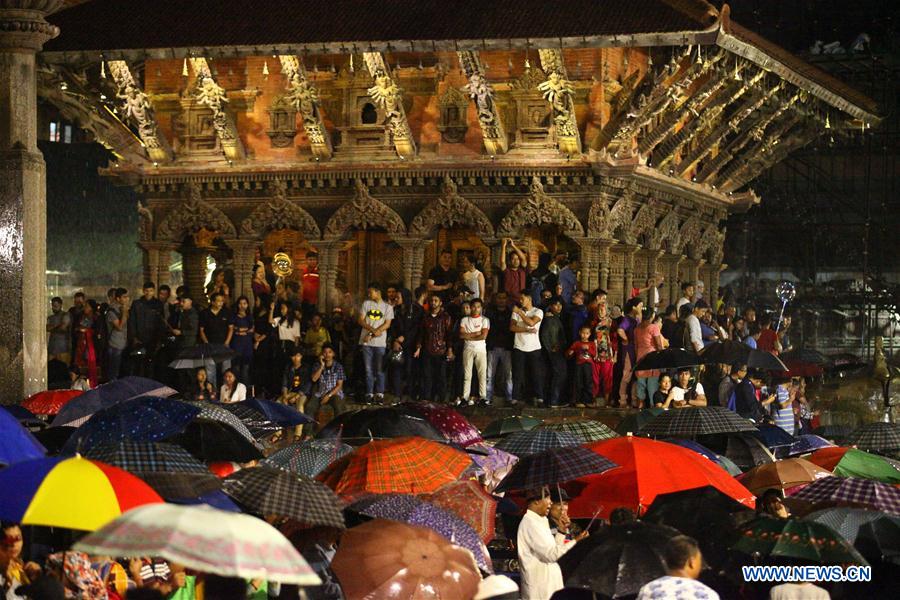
{"x":529,"y":335}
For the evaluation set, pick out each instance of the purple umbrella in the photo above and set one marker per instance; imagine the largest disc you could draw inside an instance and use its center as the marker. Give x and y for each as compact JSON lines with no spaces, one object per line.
{"x":494,"y":464}
{"x":853,"y":491}
{"x":415,"y":511}
{"x":805,"y":444}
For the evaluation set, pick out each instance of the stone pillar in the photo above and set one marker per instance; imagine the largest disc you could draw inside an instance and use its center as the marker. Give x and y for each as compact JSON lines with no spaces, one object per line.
{"x":413,"y":260}
{"x":328,"y":263}
{"x":193,"y":262}
{"x":243,"y":252}
{"x":163,"y":274}
{"x":670,"y":266}
{"x":628,"y":270}
{"x":589,"y":267}
{"x":604,"y":257}
{"x":23,"y":202}
{"x":150,"y":262}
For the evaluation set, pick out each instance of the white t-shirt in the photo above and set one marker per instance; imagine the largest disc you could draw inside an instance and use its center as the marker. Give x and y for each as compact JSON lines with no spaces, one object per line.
{"x":287,"y":333}
{"x":798,"y":591}
{"x":475,"y":325}
{"x":375,"y":314}
{"x":528,"y":342}
{"x":679,"y":392}
{"x":470,"y":279}
{"x":239,"y":394}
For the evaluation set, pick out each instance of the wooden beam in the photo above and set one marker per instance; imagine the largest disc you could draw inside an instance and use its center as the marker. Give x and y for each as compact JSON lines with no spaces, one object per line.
{"x":389,"y":96}
{"x":619,"y":109}
{"x":138,"y":110}
{"x":802,"y":136}
{"x":304,"y":97}
{"x":558,"y":91}
{"x":210,"y":94}
{"x":745,"y":162}
{"x":481,"y":92}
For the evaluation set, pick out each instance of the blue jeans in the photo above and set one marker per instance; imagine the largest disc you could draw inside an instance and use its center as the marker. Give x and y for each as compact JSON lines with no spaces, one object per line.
{"x":113,"y":362}
{"x":373,"y":358}
{"x":646,"y":387}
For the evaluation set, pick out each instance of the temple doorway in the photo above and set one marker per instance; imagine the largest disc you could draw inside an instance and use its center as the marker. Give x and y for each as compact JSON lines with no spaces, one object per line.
{"x":368,"y":256}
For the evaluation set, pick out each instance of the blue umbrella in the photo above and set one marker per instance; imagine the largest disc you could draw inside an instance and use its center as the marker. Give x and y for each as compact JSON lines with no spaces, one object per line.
{"x":145,"y":419}
{"x":16,"y":442}
{"x":216,"y":499}
{"x":20,"y":412}
{"x":723,"y":461}
{"x":772,"y":436}
{"x":79,"y":409}
{"x":804,"y":444}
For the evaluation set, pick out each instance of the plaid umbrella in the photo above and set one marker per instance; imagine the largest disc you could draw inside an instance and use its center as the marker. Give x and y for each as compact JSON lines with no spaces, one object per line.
{"x":852,"y":491}
{"x":217,"y":435}
{"x":670,"y":358}
{"x":494,"y":464}
{"x":361,"y":426}
{"x":875,"y":534}
{"x":795,"y":538}
{"x":266,"y":491}
{"x":696,"y":420}
{"x":508,"y":425}
{"x":79,"y":409}
{"x":746,"y":451}
{"x":587,"y":430}
{"x":879,"y":437}
{"x":850,"y":462}
{"x":804,"y":444}
{"x":781,"y":474}
{"x":772,"y":436}
{"x":309,"y":457}
{"x":470,"y":502}
{"x":536,"y":440}
{"x":633,"y":422}
{"x":553,"y":466}
{"x":454,"y":426}
{"x":402,"y":465}
{"x":415,"y":511}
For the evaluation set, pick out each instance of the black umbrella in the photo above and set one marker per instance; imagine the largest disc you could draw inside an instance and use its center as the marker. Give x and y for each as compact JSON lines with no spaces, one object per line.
{"x":765,"y":361}
{"x":79,"y":409}
{"x":696,"y":420}
{"x":705,"y":514}
{"x":670,"y":358}
{"x":726,"y":352}
{"x":746,"y":451}
{"x":876,"y":437}
{"x":202,"y":355}
{"x":360,"y":426}
{"x":618,"y":560}
{"x":217,"y":435}
{"x":807,"y":355}
{"x":834,"y":432}
{"x":875,"y":534}
{"x":54,"y":438}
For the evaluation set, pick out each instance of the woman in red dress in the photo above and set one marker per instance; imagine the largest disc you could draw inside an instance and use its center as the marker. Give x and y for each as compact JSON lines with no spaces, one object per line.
{"x":85,"y":353}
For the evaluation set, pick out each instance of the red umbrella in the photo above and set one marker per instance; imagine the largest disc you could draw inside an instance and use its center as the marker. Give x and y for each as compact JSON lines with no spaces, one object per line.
{"x":468,"y":500}
{"x":828,"y":458}
{"x":452,"y":425}
{"x":50,"y":401}
{"x":647,"y":468}
{"x":799,"y":368}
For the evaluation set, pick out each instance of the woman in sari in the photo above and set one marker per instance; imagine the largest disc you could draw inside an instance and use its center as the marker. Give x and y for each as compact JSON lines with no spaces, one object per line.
{"x":85,"y":350}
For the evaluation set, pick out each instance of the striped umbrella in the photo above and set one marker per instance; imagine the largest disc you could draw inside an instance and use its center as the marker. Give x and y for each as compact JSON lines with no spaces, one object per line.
{"x":852,"y":491}
{"x":309,"y":457}
{"x":587,"y":430}
{"x":536,"y":440}
{"x":554,"y":466}
{"x":878,"y":437}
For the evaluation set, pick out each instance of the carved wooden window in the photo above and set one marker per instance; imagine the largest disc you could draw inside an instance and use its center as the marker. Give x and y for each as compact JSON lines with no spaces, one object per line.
{"x":282,"y":123}
{"x":369,"y":114}
{"x":453,"y":106}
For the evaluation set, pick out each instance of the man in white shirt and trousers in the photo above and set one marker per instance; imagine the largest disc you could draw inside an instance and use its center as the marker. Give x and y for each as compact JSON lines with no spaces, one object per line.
{"x":539,"y":549}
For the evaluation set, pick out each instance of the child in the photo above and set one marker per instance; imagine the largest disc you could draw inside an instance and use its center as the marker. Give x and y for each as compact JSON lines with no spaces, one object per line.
{"x":585,"y":353}
{"x":606,"y":359}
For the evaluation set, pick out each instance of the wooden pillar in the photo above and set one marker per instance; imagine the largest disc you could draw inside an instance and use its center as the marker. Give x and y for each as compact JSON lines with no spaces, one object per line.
{"x":628,"y":253}
{"x":163,"y":274}
{"x":193,"y":262}
{"x":589,"y":267}
{"x":604,"y":258}
{"x":413,"y":260}
{"x":328,"y":264}
{"x":243,"y":253}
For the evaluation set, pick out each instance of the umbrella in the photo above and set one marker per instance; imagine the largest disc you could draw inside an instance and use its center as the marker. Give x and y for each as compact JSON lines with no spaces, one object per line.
{"x":202,"y":355}
{"x":587,"y":430}
{"x":647,"y":468}
{"x":799,"y":368}
{"x":54,"y":438}
{"x":494,"y":464}
{"x":875,"y":534}
{"x":49,"y":402}
{"x":536,"y":440}
{"x":75,"y":493}
{"x":553,"y":466}
{"x":879,"y":437}
{"x":852,"y":491}
{"x":216,"y":499}
{"x":797,"y":539}
{"x":169,"y":469}
{"x":508,"y":425}
{"x":781,"y":474}
{"x":633,"y":422}
{"x":850,"y":462}
{"x":144,"y":419}
{"x":403,"y":465}
{"x":263,"y":417}
{"x":389,"y":559}
{"x":726,"y":352}
{"x":772,"y":436}
{"x":803,"y":444}
{"x":361,"y":426}
{"x":468,"y":500}
{"x":670,"y":358}
{"x":834,"y":431}
{"x":696,"y":420}
{"x":746,"y":451}
{"x":309,"y":457}
{"x":807,"y":355}
{"x":16,"y":442}
{"x":724,"y":462}
{"x":266,"y":491}
{"x":204,"y":539}
{"x":705,"y":513}
{"x":765,"y":361}
{"x":79,"y":409}
{"x":619,"y":560}
{"x":217,"y":435}
{"x":453,"y":425}
{"x":416,"y":511}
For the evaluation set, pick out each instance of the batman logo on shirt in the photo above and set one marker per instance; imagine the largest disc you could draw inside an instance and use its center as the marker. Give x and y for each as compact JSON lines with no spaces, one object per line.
{"x":374,"y":314}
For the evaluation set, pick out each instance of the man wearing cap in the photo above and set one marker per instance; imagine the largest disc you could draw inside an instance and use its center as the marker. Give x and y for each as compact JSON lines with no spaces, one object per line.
{"x":539,"y":549}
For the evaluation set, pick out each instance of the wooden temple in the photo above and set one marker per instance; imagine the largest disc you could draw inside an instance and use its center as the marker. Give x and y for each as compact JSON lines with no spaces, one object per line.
{"x":379,"y":132}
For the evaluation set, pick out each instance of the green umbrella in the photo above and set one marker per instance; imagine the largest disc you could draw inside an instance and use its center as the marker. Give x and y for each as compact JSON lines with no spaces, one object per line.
{"x":633,"y":422}
{"x":795,"y":538}
{"x":857,"y":463}
{"x":508,"y":425}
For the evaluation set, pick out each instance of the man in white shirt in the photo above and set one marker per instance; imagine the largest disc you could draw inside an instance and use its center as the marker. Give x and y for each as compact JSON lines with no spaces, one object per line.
{"x":693,"y":325}
{"x":375,"y":318}
{"x":473,"y":330}
{"x":526,"y":324}
{"x":683,"y":563}
{"x":684,"y":394}
{"x":539,"y":549}
{"x":687,"y":294}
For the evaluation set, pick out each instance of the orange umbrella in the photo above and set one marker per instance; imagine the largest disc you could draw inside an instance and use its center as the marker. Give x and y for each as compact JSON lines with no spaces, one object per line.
{"x":50,"y":401}
{"x":389,"y":559}
{"x":781,"y":474}
{"x":407,"y":465}
{"x":647,"y":468}
{"x":468,"y":500}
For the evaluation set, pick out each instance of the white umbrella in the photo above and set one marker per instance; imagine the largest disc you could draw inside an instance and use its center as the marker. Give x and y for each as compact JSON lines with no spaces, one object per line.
{"x":204,"y":539}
